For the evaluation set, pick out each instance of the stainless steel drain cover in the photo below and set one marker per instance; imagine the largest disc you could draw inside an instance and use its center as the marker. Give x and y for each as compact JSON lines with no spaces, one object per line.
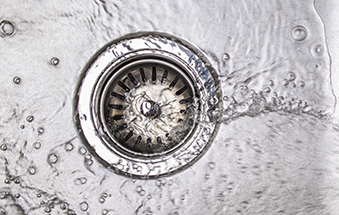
{"x":147,"y":104}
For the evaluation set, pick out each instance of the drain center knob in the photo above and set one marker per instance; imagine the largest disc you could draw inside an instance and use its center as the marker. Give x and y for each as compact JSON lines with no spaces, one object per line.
{"x":150,"y":108}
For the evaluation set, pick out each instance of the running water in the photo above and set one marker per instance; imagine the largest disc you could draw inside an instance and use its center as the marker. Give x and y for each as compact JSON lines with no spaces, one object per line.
{"x":277,"y":145}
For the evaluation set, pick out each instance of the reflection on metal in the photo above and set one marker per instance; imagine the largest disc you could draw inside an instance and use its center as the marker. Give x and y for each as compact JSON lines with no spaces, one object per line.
{"x":146,"y":104}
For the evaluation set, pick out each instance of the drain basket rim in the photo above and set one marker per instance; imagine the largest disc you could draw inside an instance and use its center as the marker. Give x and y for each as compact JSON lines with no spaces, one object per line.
{"x":150,"y":168}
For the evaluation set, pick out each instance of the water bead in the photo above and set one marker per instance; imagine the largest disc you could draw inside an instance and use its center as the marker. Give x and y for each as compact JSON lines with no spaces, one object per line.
{"x":6,"y":28}
{"x":55,"y":61}
{"x":139,"y":188}
{"x":317,"y":50}
{"x":285,"y":82}
{"x":211,"y":165}
{"x":89,"y":162}
{"x":31,"y":170}
{"x":30,"y":118}
{"x":3,"y":147}
{"x":301,"y":83}
{"x":63,"y":206}
{"x":47,"y":210}
{"x":16,"y":80}
{"x":291,"y":76}
{"x":69,"y":147}
{"x":267,"y":90}
{"x":226,"y":56}
{"x":101,"y":200}
{"x":41,"y":130}
{"x":82,"y":150}
{"x":37,"y":145}
{"x":17,"y":181}
{"x":299,"y":33}
{"x":52,"y":159}
{"x":84,"y":206}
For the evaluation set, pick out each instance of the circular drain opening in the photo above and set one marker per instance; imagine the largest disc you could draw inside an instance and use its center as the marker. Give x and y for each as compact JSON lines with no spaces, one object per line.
{"x":148,"y":107}
{"x":146,"y":104}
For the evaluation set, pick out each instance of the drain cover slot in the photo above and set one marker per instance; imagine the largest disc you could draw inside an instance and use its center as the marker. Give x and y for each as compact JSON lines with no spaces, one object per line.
{"x":148,"y":111}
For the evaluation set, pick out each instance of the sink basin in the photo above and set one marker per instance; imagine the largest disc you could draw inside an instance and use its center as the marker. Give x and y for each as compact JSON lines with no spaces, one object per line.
{"x":264,"y":80}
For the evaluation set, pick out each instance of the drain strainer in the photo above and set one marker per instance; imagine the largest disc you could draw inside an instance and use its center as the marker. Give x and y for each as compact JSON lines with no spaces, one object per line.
{"x":147,"y":104}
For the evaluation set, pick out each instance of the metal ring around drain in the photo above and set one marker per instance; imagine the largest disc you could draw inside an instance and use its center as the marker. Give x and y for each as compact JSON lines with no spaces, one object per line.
{"x":147,"y":104}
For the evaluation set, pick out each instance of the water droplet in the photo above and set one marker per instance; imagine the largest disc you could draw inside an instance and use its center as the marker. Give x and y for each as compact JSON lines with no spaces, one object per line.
{"x":22,"y":126}
{"x":7,"y":28}
{"x":38,"y":195}
{"x":317,"y":50}
{"x":291,"y":76}
{"x":101,"y":200}
{"x":41,"y":130}
{"x":225,"y":98}
{"x":211,"y":165}
{"x":149,"y":196}
{"x":89,"y":162}
{"x":142,"y":192}
{"x":3,"y":147}
{"x":47,"y":210}
{"x":267,"y":90}
{"x":301,"y":83}
{"x":17,"y":195}
{"x":16,"y":80}
{"x":52,"y":159}
{"x":82,"y":150}
{"x":83,"y":180}
{"x":285,"y":82}
{"x":37,"y":145}
{"x":226,"y":56}
{"x":299,"y":33}
{"x":293,"y":85}
{"x":84,"y":206}
{"x":69,"y":147}
{"x":104,"y":212}
{"x":80,"y":181}
{"x":31,"y":170}
{"x":271,"y":83}
{"x":55,"y":61}
{"x":17,"y":181}
{"x":139,"y":188}
{"x":63,"y":206}
{"x":30,"y":118}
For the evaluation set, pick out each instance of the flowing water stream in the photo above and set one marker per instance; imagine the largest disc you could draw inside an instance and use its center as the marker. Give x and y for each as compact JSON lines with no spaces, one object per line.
{"x":276,"y":149}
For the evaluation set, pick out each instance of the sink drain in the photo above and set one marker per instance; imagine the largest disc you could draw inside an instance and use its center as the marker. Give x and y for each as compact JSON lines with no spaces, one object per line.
{"x":147,"y":104}
{"x":148,"y":107}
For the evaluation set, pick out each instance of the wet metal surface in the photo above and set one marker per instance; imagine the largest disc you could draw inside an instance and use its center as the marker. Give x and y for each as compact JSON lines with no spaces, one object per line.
{"x":276,"y":148}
